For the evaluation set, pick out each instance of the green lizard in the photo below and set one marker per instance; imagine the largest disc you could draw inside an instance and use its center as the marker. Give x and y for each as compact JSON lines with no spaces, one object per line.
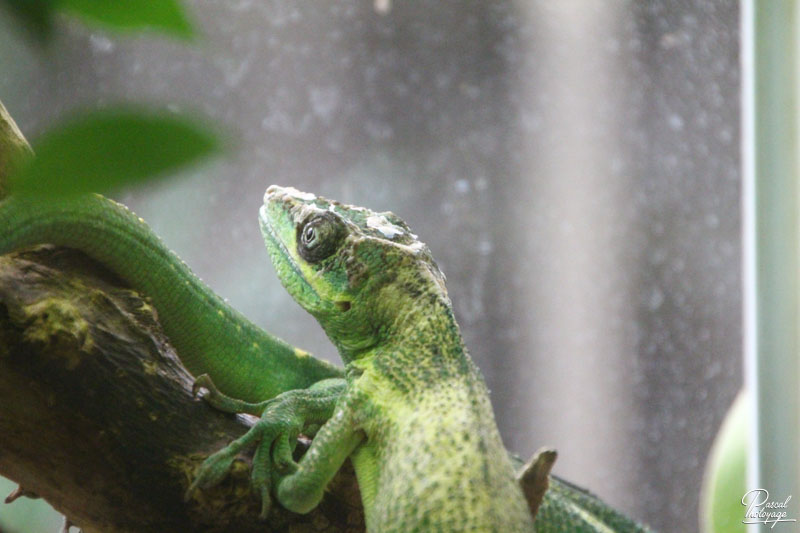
{"x":413,"y":412}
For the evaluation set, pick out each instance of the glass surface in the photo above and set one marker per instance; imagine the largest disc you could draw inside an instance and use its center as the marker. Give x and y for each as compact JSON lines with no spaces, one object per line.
{"x":574,"y":167}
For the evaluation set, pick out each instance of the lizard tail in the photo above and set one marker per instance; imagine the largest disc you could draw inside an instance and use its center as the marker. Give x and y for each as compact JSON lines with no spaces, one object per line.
{"x":210,"y":336}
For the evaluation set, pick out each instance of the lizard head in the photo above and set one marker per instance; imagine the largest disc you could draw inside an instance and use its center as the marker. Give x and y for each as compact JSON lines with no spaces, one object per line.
{"x":358,"y":272}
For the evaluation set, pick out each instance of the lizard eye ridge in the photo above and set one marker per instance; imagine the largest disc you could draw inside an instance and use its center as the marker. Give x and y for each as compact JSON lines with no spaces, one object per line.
{"x":320,"y":236}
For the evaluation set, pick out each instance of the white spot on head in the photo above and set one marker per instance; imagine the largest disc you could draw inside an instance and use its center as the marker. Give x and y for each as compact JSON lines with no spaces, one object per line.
{"x":379,"y":222}
{"x":300,"y":195}
{"x":274,"y":190}
{"x":416,"y":246}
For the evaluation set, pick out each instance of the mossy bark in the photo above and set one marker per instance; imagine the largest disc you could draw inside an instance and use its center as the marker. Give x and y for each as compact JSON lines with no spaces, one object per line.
{"x":97,"y":414}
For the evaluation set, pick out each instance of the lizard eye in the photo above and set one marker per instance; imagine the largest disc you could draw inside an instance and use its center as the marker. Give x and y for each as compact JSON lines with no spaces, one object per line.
{"x":309,"y":235}
{"x":320,"y":236}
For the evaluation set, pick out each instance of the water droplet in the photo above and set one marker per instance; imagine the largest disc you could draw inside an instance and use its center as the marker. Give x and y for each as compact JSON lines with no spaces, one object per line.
{"x":324,"y":101}
{"x":101,"y":44}
{"x":675,"y":122}
{"x":656,"y":299}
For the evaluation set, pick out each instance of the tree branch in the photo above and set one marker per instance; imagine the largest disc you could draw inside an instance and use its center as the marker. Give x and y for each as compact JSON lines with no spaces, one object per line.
{"x":97,"y":414}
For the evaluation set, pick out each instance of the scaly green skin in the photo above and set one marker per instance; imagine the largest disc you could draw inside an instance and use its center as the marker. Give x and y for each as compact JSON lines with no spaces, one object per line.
{"x":567,"y":507}
{"x":209,"y":335}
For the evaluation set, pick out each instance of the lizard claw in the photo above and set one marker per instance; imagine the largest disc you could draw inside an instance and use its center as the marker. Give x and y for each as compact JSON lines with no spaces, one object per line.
{"x":266,"y":499}
{"x":212,"y":471}
{"x":266,"y":502}
{"x":203,"y":381}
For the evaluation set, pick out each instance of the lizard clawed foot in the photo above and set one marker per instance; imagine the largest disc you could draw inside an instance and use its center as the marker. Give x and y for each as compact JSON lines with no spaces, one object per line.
{"x":275,"y":435}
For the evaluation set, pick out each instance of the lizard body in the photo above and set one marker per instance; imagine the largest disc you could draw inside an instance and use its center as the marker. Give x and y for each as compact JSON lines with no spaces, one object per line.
{"x":427,"y":452}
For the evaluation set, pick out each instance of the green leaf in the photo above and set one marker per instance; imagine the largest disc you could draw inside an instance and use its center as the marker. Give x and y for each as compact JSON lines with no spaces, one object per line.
{"x":100,"y":150}
{"x":164,"y":15}
{"x":167,"y":16}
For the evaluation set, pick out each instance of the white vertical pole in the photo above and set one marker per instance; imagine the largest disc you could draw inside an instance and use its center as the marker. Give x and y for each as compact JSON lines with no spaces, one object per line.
{"x":772,"y":244}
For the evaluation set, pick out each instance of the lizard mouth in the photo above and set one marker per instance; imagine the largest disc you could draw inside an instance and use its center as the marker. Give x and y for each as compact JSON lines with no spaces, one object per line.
{"x":288,"y":270}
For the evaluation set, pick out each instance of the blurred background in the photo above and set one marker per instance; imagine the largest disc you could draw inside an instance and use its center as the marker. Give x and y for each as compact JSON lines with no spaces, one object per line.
{"x":574,"y":167}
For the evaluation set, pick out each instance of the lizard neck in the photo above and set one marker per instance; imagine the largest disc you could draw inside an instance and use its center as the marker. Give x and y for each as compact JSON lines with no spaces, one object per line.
{"x":425,"y":348}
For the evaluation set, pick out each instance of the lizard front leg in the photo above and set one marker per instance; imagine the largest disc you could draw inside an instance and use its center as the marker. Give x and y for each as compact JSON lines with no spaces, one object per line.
{"x":283,"y":418}
{"x":302,"y":490}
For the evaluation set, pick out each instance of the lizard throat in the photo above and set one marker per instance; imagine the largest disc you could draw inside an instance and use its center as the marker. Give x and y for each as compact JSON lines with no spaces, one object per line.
{"x":289,"y":273}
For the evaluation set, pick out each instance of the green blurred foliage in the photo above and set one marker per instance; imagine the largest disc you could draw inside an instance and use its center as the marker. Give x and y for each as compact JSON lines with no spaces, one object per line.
{"x":100,"y":150}
{"x":166,"y":16}
{"x":724,"y":484}
{"x":36,"y":15}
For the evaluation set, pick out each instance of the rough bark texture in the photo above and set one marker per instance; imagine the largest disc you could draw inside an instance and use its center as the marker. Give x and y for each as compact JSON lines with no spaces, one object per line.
{"x":97,"y":415}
